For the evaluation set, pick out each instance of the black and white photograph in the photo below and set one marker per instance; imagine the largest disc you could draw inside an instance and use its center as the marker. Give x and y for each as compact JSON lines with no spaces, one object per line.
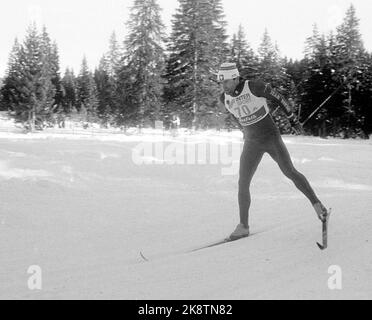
{"x":185,"y":150}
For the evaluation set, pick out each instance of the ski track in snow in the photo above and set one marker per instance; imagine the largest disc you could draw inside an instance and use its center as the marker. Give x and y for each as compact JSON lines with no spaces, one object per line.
{"x":343,"y":185}
{"x":7,"y":172}
{"x":78,"y":207}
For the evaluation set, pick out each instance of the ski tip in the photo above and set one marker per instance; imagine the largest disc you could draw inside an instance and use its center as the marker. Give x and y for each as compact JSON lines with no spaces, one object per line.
{"x":321,"y":247}
{"x":143,"y":257}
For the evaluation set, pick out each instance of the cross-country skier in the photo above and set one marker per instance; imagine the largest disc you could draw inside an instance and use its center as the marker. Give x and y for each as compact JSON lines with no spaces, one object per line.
{"x":247,"y":101}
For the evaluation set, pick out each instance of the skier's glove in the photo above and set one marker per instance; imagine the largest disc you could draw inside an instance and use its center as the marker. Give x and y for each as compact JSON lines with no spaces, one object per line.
{"x":296,"y":125}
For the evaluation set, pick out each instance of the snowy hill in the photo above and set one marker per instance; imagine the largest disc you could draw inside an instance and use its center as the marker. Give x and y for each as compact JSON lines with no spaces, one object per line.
{"x":82,"y":209}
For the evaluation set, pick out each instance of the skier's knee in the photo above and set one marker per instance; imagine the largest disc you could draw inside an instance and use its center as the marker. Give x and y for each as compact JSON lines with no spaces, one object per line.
{"x":291,"y":173}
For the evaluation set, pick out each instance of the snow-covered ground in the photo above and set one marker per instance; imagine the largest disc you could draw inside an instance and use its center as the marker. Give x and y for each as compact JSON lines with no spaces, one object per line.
{"x":83,"y":207}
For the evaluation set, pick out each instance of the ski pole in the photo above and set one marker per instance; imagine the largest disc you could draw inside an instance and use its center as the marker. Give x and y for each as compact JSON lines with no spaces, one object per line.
{"x":324,"y":102}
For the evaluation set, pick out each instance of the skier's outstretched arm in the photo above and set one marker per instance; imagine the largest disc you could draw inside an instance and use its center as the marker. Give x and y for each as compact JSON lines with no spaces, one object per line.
{"x":261,"y":89}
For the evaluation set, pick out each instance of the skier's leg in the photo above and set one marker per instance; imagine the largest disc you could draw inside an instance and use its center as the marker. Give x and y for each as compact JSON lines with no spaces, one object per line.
{"x":278,"y":151}
{"x":249,"y":160}
{"x":280,"y":154}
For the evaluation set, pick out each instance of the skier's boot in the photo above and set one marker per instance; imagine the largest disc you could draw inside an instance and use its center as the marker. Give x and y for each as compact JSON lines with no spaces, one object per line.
{"x":321,"y":211}
{"x":240,"y":232}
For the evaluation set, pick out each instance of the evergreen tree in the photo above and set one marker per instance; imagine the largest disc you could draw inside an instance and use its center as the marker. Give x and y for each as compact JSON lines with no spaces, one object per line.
{"x":126,"y":98}
{"x":270,"y":63}
{"x":296,"y":71}
{"x":363,"y":96}
{"x":318,"y":83}
{"x":197,"y":47}
{"x":51,"y":67}
{"x":69,"y":89}
{"x":144,"y":60}
{"x":56,"y":76}
{"x":319,"y":78}
{"x":29,"y":90}
{"x":312,"y":44}
{"x":36,"y":88}
{"x":349,"y":61}
{"x":9,"y":93}
{"x":106,"y":90}
{"x":243,"y":55}
{"x":217,"y":32}
{"x":271,"y":70}
{"x":87,"y":100}
{"x":113,"y":57}
{"x":350,"y":48}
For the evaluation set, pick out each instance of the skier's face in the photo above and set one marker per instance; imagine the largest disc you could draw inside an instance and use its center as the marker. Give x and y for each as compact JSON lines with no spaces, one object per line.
{"x":229,"y":86}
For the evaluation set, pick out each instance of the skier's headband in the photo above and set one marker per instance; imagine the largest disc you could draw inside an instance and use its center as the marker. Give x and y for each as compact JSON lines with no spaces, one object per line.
{"x":228,"y":71}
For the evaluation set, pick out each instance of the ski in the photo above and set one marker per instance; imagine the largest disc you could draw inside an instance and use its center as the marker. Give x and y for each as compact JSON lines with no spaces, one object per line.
{"x":220,"y":242}
{"x":324,"y":244}
{"x":211,"y":245}
{"x":143,"y":257}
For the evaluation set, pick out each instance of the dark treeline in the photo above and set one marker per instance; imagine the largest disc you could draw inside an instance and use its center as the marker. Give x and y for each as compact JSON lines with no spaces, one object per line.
{"x":152,"y":76}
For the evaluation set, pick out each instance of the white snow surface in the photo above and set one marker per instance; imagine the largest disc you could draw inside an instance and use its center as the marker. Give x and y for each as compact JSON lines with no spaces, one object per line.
{"x":81,"y":209}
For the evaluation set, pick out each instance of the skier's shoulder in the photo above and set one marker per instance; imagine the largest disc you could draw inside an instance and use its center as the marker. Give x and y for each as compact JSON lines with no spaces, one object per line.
{"x":257,"y":87}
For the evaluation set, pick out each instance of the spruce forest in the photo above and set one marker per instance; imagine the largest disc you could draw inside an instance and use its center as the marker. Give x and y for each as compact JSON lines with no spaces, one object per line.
{"x":151,"y":75}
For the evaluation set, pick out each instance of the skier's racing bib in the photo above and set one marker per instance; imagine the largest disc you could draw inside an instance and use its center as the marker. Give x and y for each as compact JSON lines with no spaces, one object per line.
{"x":247,"y":107}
